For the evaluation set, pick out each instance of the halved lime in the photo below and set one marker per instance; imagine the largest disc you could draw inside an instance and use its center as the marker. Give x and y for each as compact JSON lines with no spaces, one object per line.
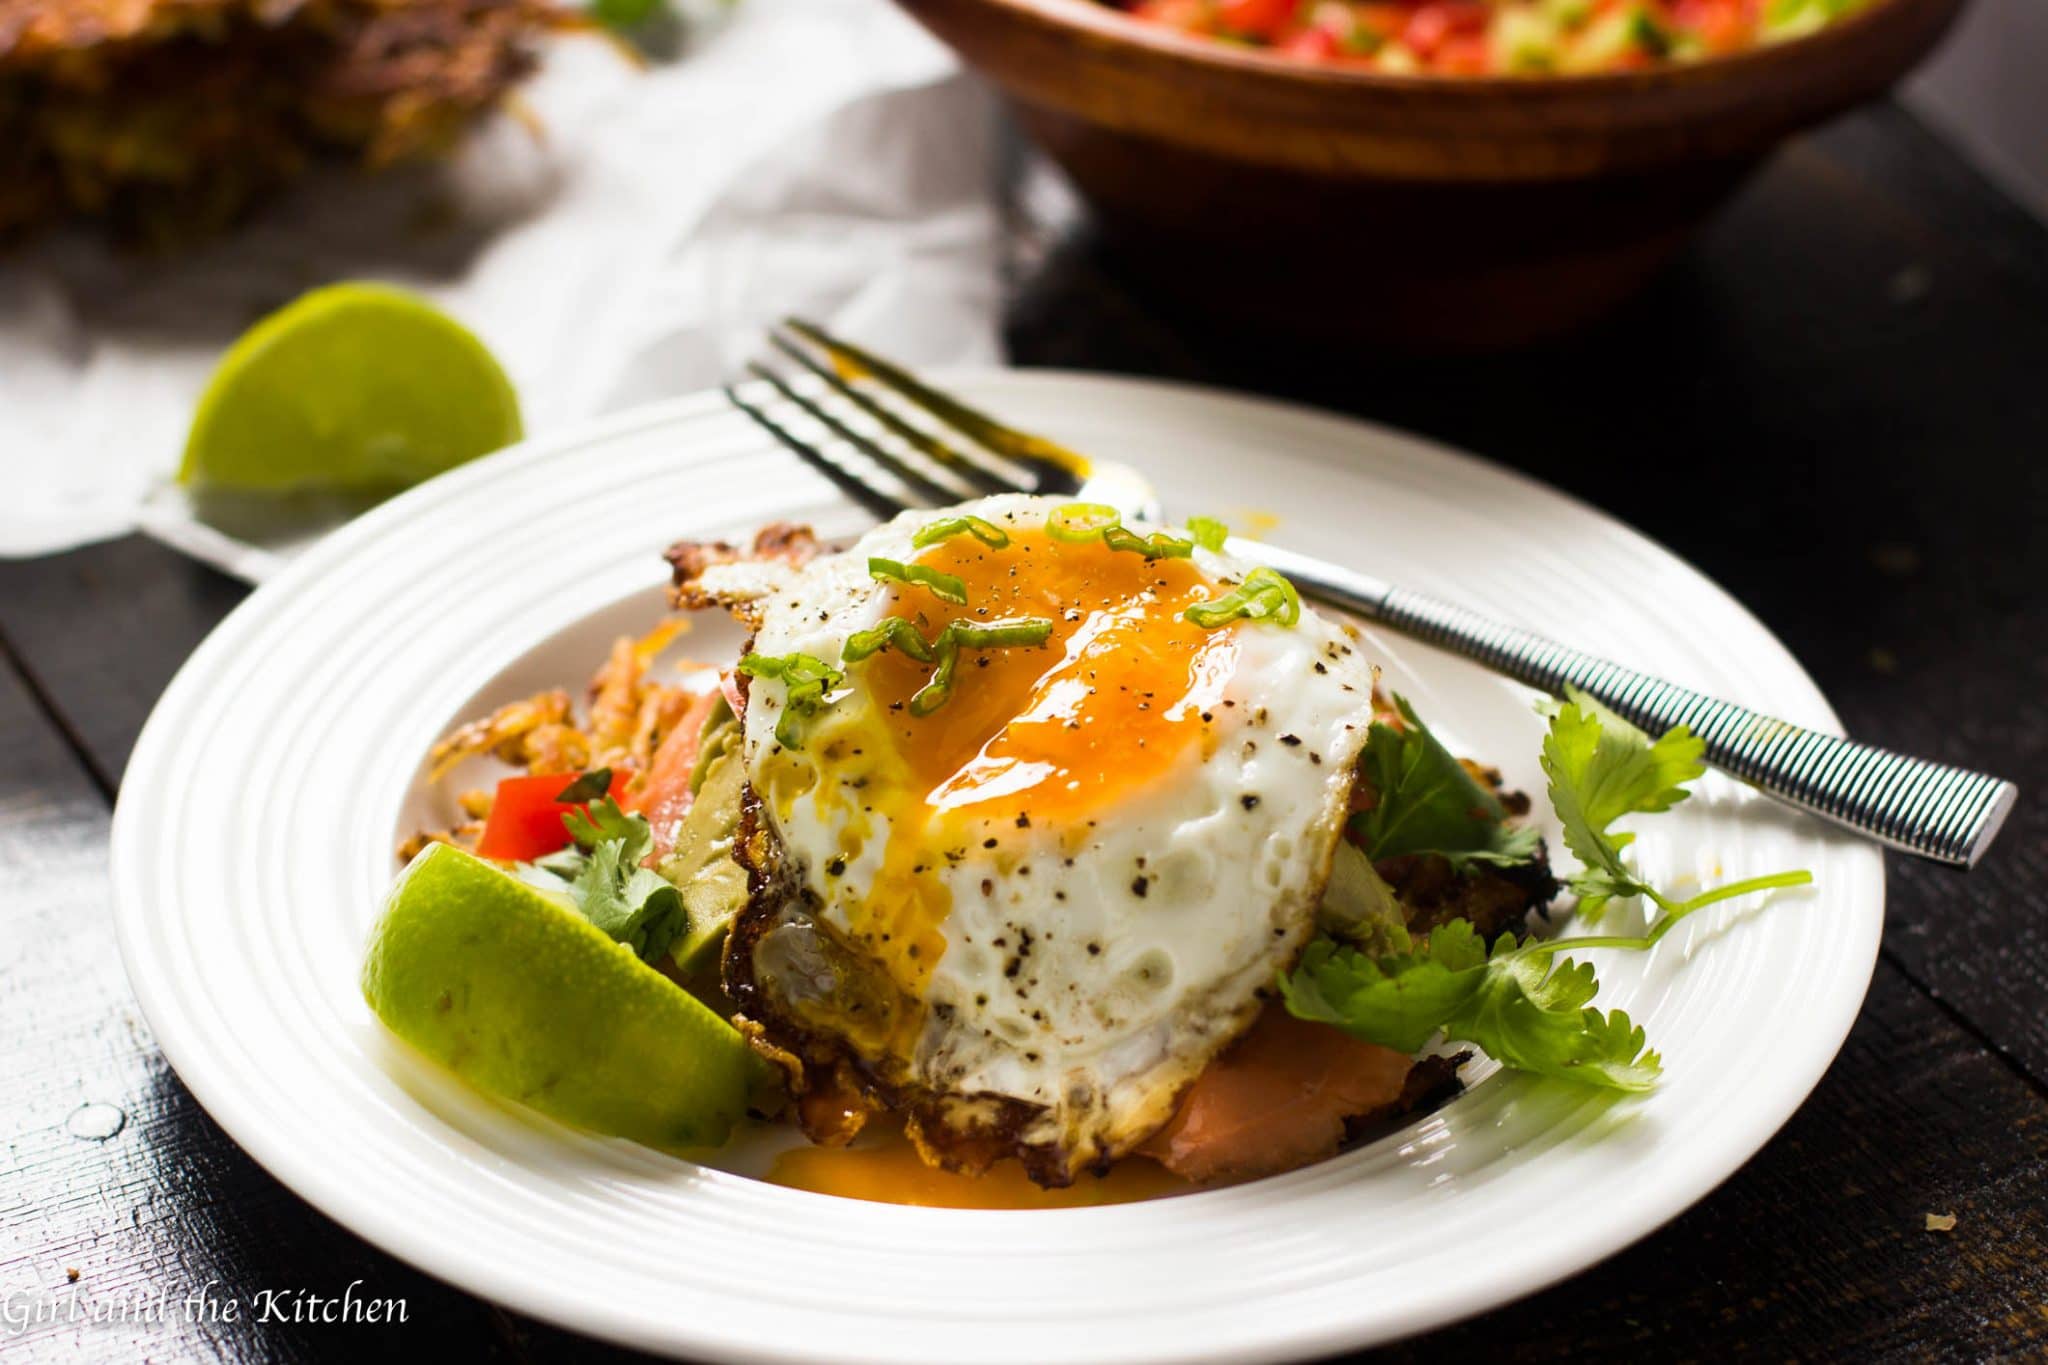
{"x":524,"y":998}
{"x":356,"y":388}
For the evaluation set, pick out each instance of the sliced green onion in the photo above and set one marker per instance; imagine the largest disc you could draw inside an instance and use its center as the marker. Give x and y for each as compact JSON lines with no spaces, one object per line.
{"x":933,"y":694}
{"x":1208,"y":532}
{"x":1158,"y":545}
{"x":945,"y":528}
{"x":1016,"y":630}
{"x":805,"y":681}
{"x":893,"y":631}
{"x":958,"y":635}
{"x":794,"y":669}
{"x":1263,"y":594}
{"x":943,"y":585}
{"x":1078,"y":522}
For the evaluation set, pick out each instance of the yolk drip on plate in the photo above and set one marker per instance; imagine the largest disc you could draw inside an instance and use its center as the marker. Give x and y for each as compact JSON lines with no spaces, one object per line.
{"x":887,"y":1170}
{"x":1061,"y":731}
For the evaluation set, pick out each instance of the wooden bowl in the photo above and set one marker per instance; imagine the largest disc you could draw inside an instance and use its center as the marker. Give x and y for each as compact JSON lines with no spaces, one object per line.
{"x":1443,"y":211}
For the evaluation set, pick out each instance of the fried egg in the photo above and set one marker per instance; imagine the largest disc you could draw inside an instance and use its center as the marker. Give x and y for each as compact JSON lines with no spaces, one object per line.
{"x":1031,"y":914}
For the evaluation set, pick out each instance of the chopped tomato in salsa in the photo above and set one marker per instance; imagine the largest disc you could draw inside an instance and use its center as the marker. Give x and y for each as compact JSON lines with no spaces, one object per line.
{"x":1496,"y":37}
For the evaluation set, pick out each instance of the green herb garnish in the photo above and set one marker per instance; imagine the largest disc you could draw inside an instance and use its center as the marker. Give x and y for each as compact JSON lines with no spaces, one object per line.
{"x":943,"y":586}
{"x":1649,"y":35}
{"x":600,"y":873}
{"x":1079,"y":522}
{"x":587,"y":787}
{"x":625,"y":14}
{"x":1524,"y":1003}
{"x":1158,"y":545}
{"x":1427,"y":802}
{"x":1208,"y":532}
{"x":1015,"y":631}
{"x":1264,"y":594}
{"x":894,"y":630}
{"x":939,"y":688}
{"x":1526,"y":1012}
{"x":945,"y":528}
{"x":805,"y":681}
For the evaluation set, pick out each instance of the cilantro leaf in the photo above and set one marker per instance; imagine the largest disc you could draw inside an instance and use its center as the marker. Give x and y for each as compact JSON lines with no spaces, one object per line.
{"x":1531,"y":1012}
{"x":587,"y":787}
{"x":1602,"y":768}
{"x":1525,"y":1012}
{"x":1399,"y":1000}
{"x":1428,"y":803}
{"x":602,"y":878}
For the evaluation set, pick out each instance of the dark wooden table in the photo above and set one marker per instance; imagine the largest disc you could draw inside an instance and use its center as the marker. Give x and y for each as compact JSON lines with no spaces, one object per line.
{"x":1836,"y":404}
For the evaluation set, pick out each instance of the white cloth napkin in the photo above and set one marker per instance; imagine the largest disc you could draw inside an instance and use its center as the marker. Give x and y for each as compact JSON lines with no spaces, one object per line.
{"x":822,"y":157}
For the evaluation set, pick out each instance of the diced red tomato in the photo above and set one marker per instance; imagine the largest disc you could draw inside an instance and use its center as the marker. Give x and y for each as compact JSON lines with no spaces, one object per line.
{"x":1255,"y":18}
{"x":1721,"y":25}
{"x":526,"y":821}
{"x":1435,"y":23}
{"x":1465,"y":55}
{"x":1312,"y":44}
{"x":1196,"y":16}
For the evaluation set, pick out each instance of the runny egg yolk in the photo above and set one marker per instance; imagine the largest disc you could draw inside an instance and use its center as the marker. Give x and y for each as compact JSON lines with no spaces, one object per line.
{"x":1121,"y":691}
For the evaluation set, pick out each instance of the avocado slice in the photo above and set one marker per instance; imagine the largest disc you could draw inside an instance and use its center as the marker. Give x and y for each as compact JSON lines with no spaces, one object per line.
{"x":701,"y":865}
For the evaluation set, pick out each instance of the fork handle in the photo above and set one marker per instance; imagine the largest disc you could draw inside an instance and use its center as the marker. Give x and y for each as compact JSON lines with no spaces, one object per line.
{"x":1946,"y":814}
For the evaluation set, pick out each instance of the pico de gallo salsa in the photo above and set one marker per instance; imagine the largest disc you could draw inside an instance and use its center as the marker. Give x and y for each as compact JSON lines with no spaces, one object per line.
{"x":1496,"y":37}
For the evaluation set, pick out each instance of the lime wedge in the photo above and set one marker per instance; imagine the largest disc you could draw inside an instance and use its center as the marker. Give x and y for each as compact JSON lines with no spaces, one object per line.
{"x":355,"y":388}
{"x":526,"y":999}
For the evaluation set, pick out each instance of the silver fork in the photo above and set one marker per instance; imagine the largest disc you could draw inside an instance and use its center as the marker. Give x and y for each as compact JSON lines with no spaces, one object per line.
{"x":1936,"y":811}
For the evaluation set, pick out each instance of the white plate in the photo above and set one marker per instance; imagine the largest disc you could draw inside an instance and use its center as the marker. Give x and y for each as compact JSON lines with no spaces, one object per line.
{"x":253,"y":843}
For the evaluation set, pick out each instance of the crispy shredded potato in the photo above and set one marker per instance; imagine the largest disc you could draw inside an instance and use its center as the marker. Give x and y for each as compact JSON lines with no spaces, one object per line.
{"x":169,"y":119}
{"x":629,"y":714}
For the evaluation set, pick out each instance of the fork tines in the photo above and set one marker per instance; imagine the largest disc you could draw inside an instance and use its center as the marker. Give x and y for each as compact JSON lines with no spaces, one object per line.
{"x":856,"y":415}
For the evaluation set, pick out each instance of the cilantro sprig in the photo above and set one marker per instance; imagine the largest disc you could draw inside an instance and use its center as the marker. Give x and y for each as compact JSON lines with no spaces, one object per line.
{"x":1526,"y":1002}
{"x":1526,"y":1010}
{"x":1602,"y":768}
{"x":601,"y":875}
